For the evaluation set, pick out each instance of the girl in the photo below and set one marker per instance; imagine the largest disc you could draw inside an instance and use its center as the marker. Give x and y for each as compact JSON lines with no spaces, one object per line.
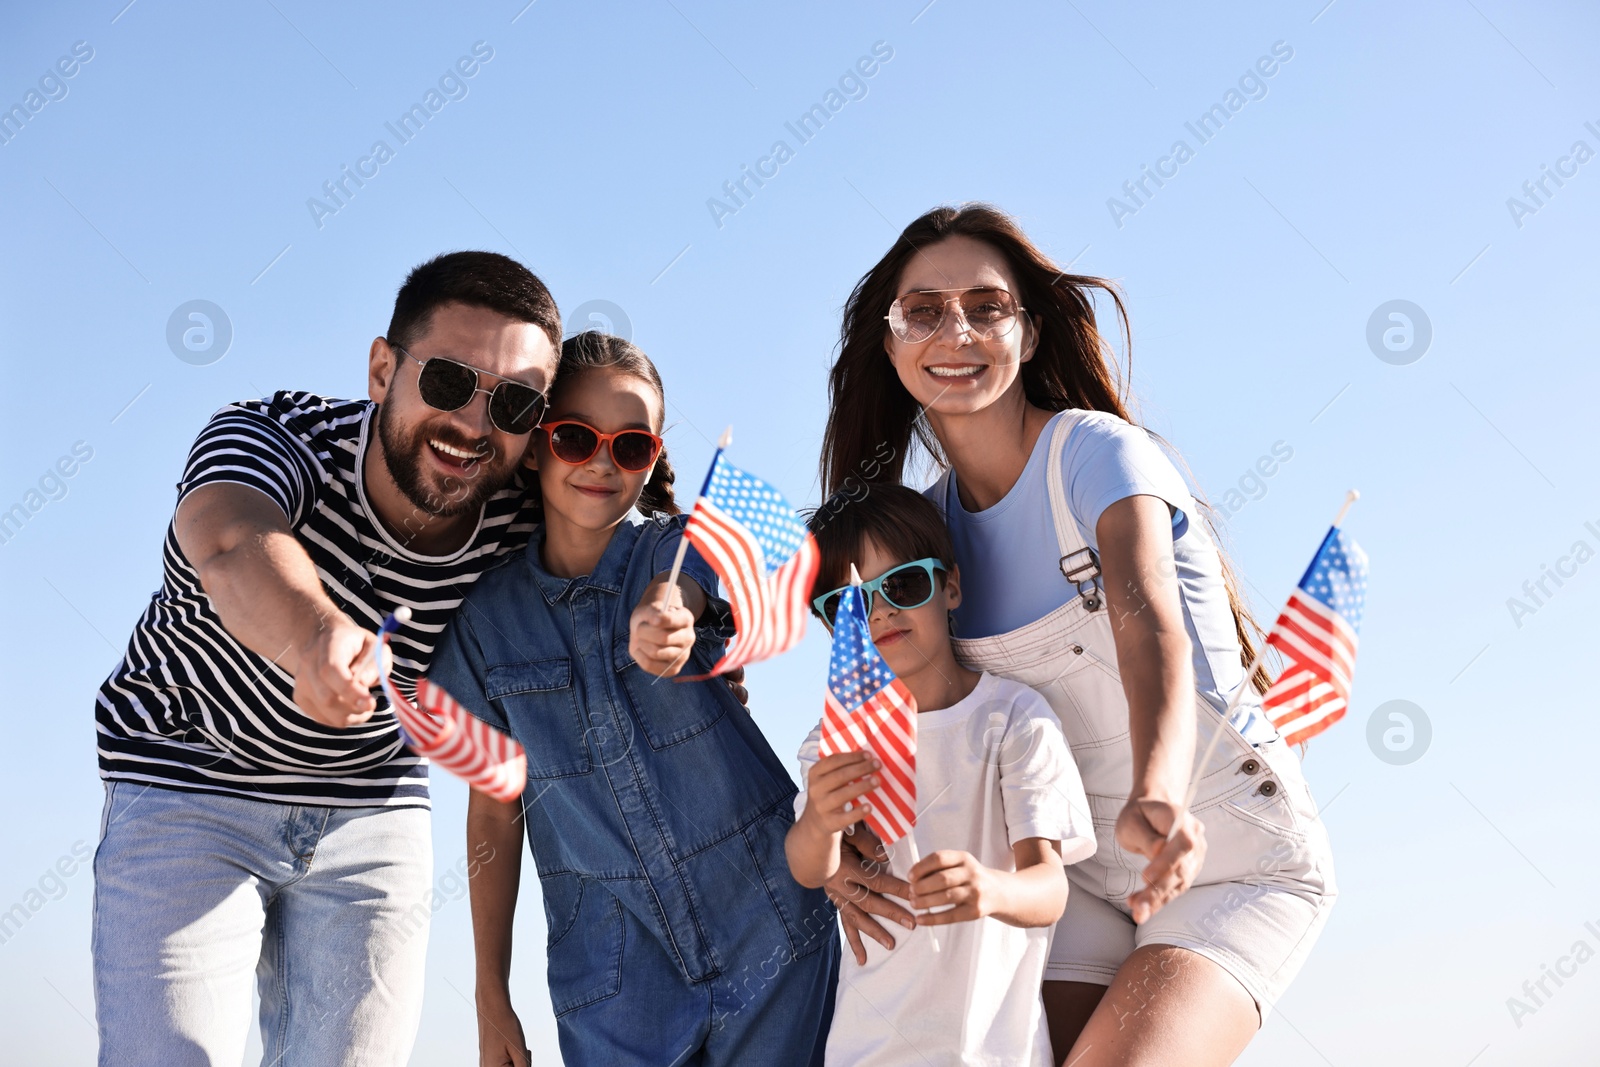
{"x":1093,"y":579}
{"x":655,"y":810}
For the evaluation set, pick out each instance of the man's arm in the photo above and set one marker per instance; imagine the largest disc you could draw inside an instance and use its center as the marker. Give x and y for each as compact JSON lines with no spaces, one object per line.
{"x":267,"y":593}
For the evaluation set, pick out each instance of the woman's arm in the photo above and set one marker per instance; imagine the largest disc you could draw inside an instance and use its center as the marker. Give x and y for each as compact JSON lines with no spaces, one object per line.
{"x":495,"y":829}
{"x":1035,"y":894}
{"x":861,"y":888}
{"x":1155,"y":658}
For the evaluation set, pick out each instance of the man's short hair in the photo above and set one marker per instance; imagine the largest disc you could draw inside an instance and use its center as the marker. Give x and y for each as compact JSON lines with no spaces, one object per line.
{"x":477,"y":279}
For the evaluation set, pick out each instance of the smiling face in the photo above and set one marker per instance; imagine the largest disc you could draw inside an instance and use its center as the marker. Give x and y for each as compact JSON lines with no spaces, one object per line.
{"x":954,"y":372}
{"x":595,"y":495}
{"x":912,"y":641}
{"x":446,"y":463}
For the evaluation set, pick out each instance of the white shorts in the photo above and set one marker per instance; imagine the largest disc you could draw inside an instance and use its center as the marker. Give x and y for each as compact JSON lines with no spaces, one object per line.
{"x":1257,"y":907}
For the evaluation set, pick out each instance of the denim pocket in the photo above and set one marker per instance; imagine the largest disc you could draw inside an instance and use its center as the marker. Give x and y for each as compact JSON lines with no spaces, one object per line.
{"x":541,"y":706}
{"x":562,"y":894}
{"x":669,"y":711}
{"x":584,"y":964}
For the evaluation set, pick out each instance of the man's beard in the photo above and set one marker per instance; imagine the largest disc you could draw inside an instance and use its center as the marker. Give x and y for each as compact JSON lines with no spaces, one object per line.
{"x":402,"y":456}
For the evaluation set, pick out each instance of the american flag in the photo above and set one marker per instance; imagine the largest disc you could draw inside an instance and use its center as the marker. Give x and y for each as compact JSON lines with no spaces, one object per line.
{"x":447,"y":734}
{"x":764,"y":555}
{"x":869,"y":708}
{"x":1317,"y":633}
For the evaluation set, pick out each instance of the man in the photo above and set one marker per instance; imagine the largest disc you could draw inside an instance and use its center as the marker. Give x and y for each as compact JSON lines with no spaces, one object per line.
{"x":262,"y":814}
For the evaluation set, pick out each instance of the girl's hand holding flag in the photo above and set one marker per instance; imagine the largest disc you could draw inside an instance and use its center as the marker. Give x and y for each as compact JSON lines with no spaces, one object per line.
{"x":661,"y":628}
{"x":869,"y":709}
{"x":763,"y":553}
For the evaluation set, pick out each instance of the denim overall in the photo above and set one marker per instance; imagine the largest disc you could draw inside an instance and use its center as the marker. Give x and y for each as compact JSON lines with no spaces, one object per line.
{"x":1260,"y":821}
{"x":656,"y":813}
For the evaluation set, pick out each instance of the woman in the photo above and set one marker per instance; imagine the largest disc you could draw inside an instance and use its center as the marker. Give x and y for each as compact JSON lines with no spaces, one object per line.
{"x":1106,"y":593}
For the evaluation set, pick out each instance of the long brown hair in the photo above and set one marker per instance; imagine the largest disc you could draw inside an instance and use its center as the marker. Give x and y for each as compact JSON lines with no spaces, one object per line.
{"x":1073,"y":365}
{"x":591,"y":350}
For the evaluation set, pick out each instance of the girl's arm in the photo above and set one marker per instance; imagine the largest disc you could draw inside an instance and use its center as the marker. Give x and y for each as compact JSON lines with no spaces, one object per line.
{"x":1154,"y":656}
{"x":1035,"y":894}
{"x":660,"y":639}
{"x":812,"y":844}
{"x":495,"y":829}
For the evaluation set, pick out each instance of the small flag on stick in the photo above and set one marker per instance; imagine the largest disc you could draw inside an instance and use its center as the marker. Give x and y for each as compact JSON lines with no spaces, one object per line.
{"x":764,"y":555}
{"x":447,"y":734}
{"x":1317,"y":633}
{"x":868,"y":708}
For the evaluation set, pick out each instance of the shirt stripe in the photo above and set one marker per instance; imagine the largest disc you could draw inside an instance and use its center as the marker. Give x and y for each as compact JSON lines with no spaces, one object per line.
{"x":189,"y":707}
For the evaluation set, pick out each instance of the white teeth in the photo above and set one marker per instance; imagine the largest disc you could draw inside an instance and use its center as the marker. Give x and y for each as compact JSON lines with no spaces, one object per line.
{"x":956,"y":372}
{"x":456,"y":452}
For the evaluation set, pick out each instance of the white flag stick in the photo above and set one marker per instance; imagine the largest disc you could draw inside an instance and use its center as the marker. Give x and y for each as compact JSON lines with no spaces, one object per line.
{"x":670,"y":588}
{"x":1249,"y":674}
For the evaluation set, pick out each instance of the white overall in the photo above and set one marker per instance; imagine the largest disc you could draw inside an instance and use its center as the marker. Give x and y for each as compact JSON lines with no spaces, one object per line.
{"x":1267,"y":884}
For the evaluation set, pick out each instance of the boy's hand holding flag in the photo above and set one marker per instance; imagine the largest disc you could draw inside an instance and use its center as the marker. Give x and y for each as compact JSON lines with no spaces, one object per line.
{"x":869,"y":709}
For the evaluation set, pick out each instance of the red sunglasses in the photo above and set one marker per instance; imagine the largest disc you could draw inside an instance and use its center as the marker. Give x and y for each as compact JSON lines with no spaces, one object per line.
{"x":577,"y":442}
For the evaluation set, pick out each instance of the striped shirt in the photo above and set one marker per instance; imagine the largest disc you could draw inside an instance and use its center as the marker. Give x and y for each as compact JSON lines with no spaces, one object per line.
{"x":191,"y":708}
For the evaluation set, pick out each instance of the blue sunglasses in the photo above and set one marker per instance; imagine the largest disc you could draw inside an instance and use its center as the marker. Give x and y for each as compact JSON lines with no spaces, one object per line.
{"x":907,"y":586}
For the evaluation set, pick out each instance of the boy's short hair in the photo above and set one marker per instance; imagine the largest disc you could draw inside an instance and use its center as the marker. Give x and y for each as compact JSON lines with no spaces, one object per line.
{"x":901,"y":521}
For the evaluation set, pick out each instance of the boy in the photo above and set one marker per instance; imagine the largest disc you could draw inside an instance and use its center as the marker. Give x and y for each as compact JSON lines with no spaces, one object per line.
{"x":1000,"y":810}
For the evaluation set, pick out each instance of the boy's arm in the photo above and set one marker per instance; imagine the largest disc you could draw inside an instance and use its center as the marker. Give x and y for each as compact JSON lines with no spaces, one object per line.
{"x":813,"y":852}
{"x":812,"y":844}
{"x":495,"y":828}
{"x":1035,"y":894}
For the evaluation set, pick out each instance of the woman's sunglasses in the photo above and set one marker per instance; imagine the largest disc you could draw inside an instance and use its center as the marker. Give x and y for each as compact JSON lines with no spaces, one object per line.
{"x":907,"y":586}
{"x":577,"y":442}
{"x":514,"y":408}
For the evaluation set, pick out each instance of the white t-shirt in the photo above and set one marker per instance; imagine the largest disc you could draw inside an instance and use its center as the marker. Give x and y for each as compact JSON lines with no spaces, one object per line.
{"x":992,"y":770}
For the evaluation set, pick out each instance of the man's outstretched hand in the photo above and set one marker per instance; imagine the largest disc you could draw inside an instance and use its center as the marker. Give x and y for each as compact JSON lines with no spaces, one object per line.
{"x":334,"y":673}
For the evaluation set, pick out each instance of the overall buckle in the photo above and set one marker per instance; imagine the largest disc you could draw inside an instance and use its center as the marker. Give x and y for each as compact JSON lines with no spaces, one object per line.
{"x":1083,"y":574}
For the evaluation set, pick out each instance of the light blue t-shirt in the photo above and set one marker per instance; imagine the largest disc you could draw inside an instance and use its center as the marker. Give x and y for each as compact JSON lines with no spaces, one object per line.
{"x":1010,"y":562}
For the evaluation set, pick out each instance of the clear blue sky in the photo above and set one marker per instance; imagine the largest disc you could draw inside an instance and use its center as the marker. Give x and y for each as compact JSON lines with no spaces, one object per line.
{"x":177,"y":162}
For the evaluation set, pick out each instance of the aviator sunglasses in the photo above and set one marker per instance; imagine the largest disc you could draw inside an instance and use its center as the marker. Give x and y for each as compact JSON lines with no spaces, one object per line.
{"x":989,"y":313}
{"x":907,"y":586}
{"x":577,"y":443}
{"x":446,"y":385}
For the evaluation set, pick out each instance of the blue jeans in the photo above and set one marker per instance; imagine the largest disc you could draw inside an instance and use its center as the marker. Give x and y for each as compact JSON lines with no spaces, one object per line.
{"x":622,"y":1001}
{"x":328,"y":907}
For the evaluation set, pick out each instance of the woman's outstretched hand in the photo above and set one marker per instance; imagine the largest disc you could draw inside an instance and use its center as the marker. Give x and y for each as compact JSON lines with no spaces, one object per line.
{"x":1145,"y":827}
{"x":857,"y":889}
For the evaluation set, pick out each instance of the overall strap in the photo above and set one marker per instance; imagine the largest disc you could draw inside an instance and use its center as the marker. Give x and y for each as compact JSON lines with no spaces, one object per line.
{"x":1079,"y":563}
